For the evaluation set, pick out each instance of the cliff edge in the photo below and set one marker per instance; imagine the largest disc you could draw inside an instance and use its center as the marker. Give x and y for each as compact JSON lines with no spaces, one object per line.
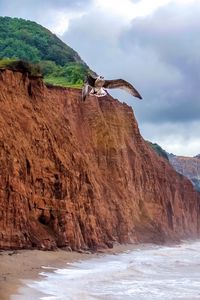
{"x":79,"y":174}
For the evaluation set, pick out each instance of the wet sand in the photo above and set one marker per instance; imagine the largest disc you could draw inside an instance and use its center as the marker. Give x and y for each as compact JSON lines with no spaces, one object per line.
{"x":16,"y":266}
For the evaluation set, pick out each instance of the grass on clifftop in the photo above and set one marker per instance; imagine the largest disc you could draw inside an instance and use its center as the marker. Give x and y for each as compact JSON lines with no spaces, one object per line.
{"x":61,"y":81}
{"x":57,"y":78}
{"x":21,"y":66}
{"x":71,"y":74}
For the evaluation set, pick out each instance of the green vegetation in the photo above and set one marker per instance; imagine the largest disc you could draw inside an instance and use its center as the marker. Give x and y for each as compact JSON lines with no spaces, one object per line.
{"x":6,"y":62}
{"x":30,"y":42}
{"x":71,"y":74}
{"x":20,"y":65}
{"x":158,"y":150}
{"x":61,"y":81}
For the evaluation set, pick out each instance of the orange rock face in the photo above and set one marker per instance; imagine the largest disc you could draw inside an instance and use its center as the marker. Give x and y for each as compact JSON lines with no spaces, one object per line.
{"x":79,"y":174}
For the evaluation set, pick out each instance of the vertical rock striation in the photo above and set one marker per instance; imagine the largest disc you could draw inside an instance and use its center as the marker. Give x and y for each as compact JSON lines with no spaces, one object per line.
{"x":79,"y":174}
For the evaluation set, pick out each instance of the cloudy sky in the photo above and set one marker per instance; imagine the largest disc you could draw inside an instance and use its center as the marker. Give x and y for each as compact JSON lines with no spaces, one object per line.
{"x":154,"y":44}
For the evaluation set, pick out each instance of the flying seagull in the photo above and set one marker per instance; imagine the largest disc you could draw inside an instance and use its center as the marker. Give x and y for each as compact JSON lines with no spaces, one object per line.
{"x":96,"y":85}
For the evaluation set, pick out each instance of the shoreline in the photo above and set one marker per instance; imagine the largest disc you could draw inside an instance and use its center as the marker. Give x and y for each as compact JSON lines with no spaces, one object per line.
{"x":21,"y":266}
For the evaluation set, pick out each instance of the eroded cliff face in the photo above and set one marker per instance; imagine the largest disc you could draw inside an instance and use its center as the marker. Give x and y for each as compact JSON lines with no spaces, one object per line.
{"x":79,"y":174}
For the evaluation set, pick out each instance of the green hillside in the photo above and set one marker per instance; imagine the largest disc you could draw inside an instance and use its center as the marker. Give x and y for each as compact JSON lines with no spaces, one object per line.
{"x":161,"y":152}
{"x":29,"y":41}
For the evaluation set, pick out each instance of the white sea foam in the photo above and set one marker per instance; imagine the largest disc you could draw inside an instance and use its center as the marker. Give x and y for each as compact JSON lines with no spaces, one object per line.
{"x":147,"y":273}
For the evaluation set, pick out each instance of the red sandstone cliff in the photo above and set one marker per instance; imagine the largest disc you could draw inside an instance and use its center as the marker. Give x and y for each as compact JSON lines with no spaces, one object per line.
{"x":79,"y":174}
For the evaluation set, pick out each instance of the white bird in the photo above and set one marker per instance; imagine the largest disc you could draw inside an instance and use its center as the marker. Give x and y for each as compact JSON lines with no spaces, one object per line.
{"x":95,"y":86}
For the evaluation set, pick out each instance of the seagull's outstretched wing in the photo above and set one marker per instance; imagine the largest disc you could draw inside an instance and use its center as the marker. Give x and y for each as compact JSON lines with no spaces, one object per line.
{"x":122,"y":84}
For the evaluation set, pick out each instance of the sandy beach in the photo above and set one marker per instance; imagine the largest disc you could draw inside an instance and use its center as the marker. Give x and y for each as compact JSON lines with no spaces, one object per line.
{"x":27,"y":264}
{"x":19,"y":265}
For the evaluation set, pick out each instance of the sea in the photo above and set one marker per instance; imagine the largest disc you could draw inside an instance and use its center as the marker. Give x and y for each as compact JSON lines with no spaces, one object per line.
{"x":147,"y":272}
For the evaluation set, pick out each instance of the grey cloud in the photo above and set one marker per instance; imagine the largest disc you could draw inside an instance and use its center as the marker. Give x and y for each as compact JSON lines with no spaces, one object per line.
{"x":43,"y":12}
{"x":172,"y":32}
{"x":172,"y":35}
{"x":95,"y":36}
{"x":175,"y":137}
{"x":159,"y":54}
{"x":30,"y":6}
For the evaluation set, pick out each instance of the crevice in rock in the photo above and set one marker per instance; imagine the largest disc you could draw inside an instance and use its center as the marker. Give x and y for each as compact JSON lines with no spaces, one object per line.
{"x":170,"y":215}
